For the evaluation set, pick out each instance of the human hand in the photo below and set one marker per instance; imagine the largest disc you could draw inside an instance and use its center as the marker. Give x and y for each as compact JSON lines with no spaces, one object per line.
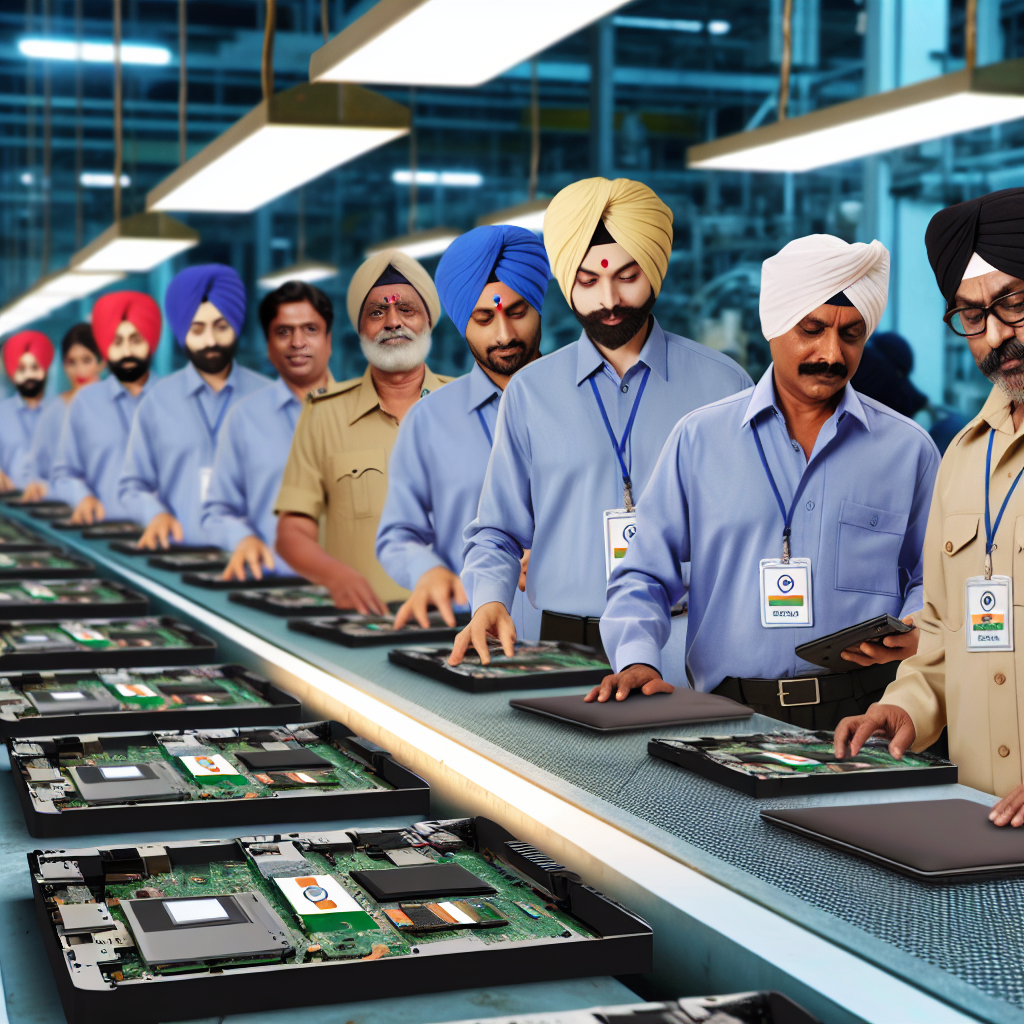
{"x":6,"y":483}
{"x":491,"y":619}
{"x":35,"y":491}
{"x":635,"y":677}
{"x":251,"y":554}
{"x":161,"y":529}
{"x":524,"y":564}
{"x":886,"y":720}
{"x":88,"y":511}
{"x":1009,"y":810}
{"x":438,"y":588}
{"x":351,"y":589}
{"x":889,"y":648}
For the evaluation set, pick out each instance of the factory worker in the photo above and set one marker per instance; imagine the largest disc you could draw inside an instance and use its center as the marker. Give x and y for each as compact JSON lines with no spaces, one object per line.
{"x":579,"y":432}
{"x":799,"y":504}
{"x":169,"y":459}
{"x":27,"y":358}
{"x":338,"y":464}
{"x":126,"y":326}
{"x":968,"y":673}
{"x":492,"y":282}
{"x":253,"y":445}
{"x":82,"y":364}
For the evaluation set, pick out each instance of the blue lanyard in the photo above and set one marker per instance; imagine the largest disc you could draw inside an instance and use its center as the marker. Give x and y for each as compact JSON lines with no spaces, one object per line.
{"x":620,"y":446}
{"x":787,"y":517}
{"x":990,"y":530}
{"x":487,"y":430}
{"x":215,"y":429}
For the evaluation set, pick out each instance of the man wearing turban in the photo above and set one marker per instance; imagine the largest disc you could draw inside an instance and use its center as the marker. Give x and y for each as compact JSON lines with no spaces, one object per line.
{"x":169,"y":458}
{"x":126,"y":328}
{"x":968,"y":673}
{"x":27,"y":358}
{"x":578,"y":432}
{"x":798,"y":480}
{"x":492,"y":282}
{"x":340,"y":454}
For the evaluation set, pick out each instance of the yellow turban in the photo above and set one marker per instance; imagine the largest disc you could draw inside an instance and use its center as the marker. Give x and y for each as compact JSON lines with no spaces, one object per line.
{"x":634,"y":216}
{"x":364,"y":279}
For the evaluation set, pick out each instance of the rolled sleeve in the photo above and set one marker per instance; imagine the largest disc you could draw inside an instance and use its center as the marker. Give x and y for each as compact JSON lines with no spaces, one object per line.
{"x":302,"y":485}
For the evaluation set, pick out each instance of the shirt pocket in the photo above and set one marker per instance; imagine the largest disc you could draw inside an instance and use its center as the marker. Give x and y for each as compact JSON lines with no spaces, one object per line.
{"x":358,"y":483}
{"x":959,"y":532}
{"x":868,"y":549}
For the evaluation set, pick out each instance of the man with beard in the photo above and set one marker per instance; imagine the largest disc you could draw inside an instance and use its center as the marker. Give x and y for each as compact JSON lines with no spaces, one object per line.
{"x":90,"y":453}
{"x":492,"y":282}
{"x":252,"y":449}
{"x":579,"y":432}
{"x":27,"y":359}
{"x":967,"y":674}
{"x":797,"y":481}
{"x":169,"y":459}
{"x":338,"y":464}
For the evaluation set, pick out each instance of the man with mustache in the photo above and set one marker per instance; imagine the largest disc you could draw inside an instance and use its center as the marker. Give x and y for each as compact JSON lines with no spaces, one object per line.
{"x":579,"y":432}
{"x":27,"y":358}
{"x":967,"y":674}
{"x":90,"y":453}
{"x":339,"y":459}
{"x":169,"y":459}
{"x":492,"y":282}
{"x":799,"y":504}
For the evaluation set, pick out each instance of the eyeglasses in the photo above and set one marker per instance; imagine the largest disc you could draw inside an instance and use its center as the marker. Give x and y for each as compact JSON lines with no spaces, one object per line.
{"x":970,"y":321}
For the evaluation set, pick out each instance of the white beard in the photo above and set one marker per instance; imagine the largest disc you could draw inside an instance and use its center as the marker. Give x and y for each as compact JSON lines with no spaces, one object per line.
{"x":396,"y":357}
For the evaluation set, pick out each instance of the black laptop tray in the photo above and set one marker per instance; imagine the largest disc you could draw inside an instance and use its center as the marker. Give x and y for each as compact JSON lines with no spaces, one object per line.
{"x":693,"y":755}
{"x":269,"y":706}
{"x":127,"y":547}
{"x":122,"y":600}
{"x":352,"y":630}
{"x":216,"y":581}
{"x":123,"y":529}
{"x":605,"y":937}
{"x":44,"y":562}
{"x":402,"y":791}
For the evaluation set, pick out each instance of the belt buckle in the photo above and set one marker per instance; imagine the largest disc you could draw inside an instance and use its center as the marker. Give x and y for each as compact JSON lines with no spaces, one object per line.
{"x":783,"y":694}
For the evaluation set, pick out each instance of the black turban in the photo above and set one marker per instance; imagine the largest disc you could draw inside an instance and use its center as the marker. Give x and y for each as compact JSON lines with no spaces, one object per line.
{"x":991,"y":226}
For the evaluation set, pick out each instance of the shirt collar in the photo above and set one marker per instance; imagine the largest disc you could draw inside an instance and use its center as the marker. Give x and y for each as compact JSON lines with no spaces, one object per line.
{"x":995,"y":413}
{"x":367,"y":400}
{"x":654,"y":354}
{"x":481,"y":389}
{"x":283,"y":395}
{"x":194,"y":383}
{"x":763,"y":397}
{"x":117,"y":390}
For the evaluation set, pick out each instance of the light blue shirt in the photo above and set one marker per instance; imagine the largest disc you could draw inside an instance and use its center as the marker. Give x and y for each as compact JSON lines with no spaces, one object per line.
{"x":252,"y":449}
{"x":92,"y":444}
{"x":861,"y":511}
{"x":172,"y":444}
{"x":46,"y":439}
{"x":553,"y":470}
{"x":435,"y":475}
{"x":18,"y":424}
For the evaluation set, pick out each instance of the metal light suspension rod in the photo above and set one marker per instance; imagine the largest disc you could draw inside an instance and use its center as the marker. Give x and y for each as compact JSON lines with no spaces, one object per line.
{"x":118,"y":113}
{"x":534,"y":130}
{"x":79,"y":211}
{"x":787,"y":58}
{"x":267,"y":65}
{"x":182,"y":82}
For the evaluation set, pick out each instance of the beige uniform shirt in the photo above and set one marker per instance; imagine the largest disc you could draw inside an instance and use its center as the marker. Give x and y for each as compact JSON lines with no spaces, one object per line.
{"x":338,"y":465}
{"x":980,"y":696}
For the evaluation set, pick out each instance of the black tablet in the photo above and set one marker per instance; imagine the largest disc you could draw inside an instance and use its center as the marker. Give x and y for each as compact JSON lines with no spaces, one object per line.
{"x":544,"y":663}
{"x":190,"y":561}
{"x":47,"y":510}
{"x":800,"y":764}
{"x":123,"y":547}
{"x":16,"y":537}
{"x":827,"y":650}
{"x":43,"y":563}
{"x":118,"y":529}
{"x":302,"y":599}
{"x":353,"y":630}
{"x":682,"y":707}
{"x":213,"y":580}
{"x":929,"y":840}
{"x":54,"y":599}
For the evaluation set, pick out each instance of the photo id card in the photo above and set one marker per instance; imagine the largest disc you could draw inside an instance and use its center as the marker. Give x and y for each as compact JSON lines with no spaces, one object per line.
{"x":619,"y":530}
{"x":989,"y":606}
{"x":786,"y":592}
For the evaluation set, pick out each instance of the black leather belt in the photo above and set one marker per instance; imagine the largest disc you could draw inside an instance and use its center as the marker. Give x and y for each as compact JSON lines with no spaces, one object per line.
{"x":571,"y":629}
{"x":808,"y":690}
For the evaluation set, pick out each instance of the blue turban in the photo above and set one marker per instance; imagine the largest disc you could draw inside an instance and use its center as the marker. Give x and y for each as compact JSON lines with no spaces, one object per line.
{"x":513,"y":255}
{"x":213,"y":282}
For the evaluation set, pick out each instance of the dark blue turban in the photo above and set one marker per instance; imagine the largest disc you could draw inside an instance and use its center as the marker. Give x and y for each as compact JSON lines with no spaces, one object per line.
{"x":213,"y":282}
{"x":513,"y":255}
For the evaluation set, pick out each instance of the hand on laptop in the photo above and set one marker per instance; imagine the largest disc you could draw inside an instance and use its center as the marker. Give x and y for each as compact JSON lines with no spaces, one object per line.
{"x":636,"y":677}
{"x":886,"y":720}
{"x":1009,"y":810}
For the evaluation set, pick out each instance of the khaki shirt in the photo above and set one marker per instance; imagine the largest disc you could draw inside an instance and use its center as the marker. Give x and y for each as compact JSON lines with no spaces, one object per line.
{"x":980,"y":696}
{"x":338,"y":465}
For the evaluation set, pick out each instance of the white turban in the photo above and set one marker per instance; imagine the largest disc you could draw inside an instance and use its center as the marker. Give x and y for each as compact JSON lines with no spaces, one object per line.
{"x":807,"y":272}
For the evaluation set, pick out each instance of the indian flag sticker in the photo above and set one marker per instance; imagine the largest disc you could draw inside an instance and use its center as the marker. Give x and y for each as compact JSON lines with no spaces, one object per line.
{"x":986,"y":622}
{"x":84,"y":634}
{"x":209,"y":768}
{"x":323,"y":905}
{"x":782,"y":601}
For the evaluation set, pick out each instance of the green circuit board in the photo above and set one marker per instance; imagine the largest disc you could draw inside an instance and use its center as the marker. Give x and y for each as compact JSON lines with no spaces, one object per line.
{"x":58,"y":592}
{"x":529,"y":659}
{"x":14,"y":533}
{"x":12,"y":562}
{"x":90,"y":634}
{"x":288,"y":599}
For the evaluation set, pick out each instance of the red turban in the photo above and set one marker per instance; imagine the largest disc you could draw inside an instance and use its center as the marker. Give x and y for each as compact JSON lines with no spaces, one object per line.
{"x":138,"y":309}
{"x":27,"y":341}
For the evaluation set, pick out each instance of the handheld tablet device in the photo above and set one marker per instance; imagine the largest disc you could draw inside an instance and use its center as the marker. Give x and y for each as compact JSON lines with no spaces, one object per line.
{"x":827,"y":650}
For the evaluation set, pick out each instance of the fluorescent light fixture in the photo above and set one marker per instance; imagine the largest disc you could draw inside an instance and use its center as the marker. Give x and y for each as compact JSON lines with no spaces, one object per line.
{"x":420,"y":244}
{"x":102,"y":179}
{"x":719,"y":28}
{"x":94,"y":53}
{"x":449,"y":42}
{"x":455,"y":179}
{"x":136,"y":244}
{"x":306,"y":270}
{"x":295,"y":136}
{"x":68,"y":285}
{"x":526,"y":215}
{"x":958,"y":102}
{"x":27,"y":178}
{"x":658,"y":24}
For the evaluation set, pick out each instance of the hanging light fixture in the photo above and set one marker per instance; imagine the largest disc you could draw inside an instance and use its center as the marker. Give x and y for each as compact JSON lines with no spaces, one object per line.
{"x":302,"y":269}
{"x":419,"y":244}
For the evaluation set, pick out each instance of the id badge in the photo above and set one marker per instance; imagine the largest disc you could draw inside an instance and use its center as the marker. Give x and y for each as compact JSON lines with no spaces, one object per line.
{"x":619,"y":530}
{"x":205,"y":476}
{"x":989,"y":613}
{"x":786,"y":593}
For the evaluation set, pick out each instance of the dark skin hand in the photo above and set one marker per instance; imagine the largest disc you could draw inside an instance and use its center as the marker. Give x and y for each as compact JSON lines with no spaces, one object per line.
{"x":636,"y":677}
{"x":1009,"y":810}
{"x":886,"y":720}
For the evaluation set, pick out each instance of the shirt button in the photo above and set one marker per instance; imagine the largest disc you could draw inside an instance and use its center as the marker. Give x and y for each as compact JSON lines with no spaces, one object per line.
{"x":796,"y":446}
{"x":809,"y":506}
{"x":949,"y":545}
{"x":874,"y":520}
{"x":1000,"y":679}
{"x":1004,"y":751}
{"x":624,"y":388}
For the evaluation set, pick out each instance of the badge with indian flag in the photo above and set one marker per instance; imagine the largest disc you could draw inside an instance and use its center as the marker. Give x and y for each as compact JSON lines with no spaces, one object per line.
{"x":786,"y":592}
{"x":989,"y":613}
{"x":619,"y":530}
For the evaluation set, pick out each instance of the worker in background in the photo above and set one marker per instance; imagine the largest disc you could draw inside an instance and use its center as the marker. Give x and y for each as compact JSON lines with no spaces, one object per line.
{"x":90,"y":454}
{"x":338,"y":464}
{"x":27,"y":358}
{"x":492,"y":282}
{"x":579,"y":432}
{"x":253,"y":445}
{"x":82,"y":365}
{"x":169,"y":459}
{"x":968,"y":674}
{"x":799,"y":505}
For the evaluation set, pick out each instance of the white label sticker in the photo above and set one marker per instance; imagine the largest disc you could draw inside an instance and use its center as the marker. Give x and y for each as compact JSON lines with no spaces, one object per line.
{"x":619,"y":530}
{"x":205,"y":475}
{"x":989,"y":613}
{"x":786,"y":593}
{"x":194,"y":911}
